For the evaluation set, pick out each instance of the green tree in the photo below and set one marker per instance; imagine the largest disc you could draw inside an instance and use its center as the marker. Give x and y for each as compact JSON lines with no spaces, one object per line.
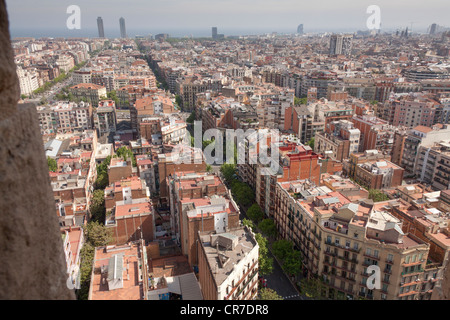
{"x":191,"y":118}
{"x":268,"y":294}
{"x":102,"y":180}
{"x":125,"y":153}
{"x":97,"y":207}
{"x":52,"y":164}
{"x":208,"y":168}
{"x":229,"y":172}
{"x":86,"y":260}
{"x":97,"y":234}
{"x":243,"y":194}
{"x":248,"y":223}
{"x":255,"y":213}
{"x":311,"y":143}
{"x":268,"y":228}
{"x":313,"y":288}
{"x":300,"y":101}
{"x":377,"y":195}
{"x":282,"y":248}
{"x":292,"y":264}
{"x":265,"y":262}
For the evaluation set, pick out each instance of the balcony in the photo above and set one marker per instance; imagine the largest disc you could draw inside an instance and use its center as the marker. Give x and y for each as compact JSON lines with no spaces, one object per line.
{"x":418,"y":271}
{"x":372,"y":256}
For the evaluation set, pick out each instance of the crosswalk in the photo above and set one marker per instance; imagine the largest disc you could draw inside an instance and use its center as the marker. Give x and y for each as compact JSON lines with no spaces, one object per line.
{"x":290,"y":297}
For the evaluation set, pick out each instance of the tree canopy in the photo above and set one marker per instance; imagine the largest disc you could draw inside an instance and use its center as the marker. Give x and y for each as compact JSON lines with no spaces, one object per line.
{"x":268,"y":294}
{"x":265,"y":262}
{"x":52,"y":164}
{"x":229,"y":172}
{"x":243,"y":194}
{"x":97,"y":207}
{"x":377,"y":195}
{"x":255,"y":213}
{"x":268,"y":228}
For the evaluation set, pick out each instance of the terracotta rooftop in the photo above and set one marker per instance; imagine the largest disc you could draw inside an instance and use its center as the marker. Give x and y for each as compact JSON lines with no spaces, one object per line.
{"x":132,"y":288}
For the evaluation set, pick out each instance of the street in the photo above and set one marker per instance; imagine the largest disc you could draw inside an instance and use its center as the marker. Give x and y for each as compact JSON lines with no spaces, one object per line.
{"x":279,"y":282}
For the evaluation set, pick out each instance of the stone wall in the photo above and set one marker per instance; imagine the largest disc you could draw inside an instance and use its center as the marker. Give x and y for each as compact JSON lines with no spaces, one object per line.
{"x":31,"y":247}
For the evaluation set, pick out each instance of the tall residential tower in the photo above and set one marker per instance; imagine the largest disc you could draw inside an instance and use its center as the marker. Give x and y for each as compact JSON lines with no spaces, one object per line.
{"x":123,"y":31}
{"x":101,"y":31}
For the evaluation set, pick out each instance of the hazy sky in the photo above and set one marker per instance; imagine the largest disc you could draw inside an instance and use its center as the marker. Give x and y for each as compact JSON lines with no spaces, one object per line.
{"x":183,"y":17}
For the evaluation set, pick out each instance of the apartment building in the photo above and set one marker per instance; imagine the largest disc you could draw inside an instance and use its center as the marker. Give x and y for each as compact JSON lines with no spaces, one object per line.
{"x":300,"y":121}
{"x":378,"y":174}
{"x":296,"y":161}
{"x":105,"y":118}
{"x":120,"y":272}
{"x":132,"y":187}
{"x":219,"y":213}
{"x":28,"y":80}
{"x":338,"y":141}
{"x":153,"y":106}
{"x":65,"y":62}
{"x":73,"y":240}
{"x":341,"y":44}
{"x":147,"y":171}
{"x":81,"y":76}
{"x":349,"y":166}
{"x":340,"y":239}
{"x":418,"y":136}
{"x":182,"y":158}
{"x":228,"y":264}
{"x":64,"y":117}
{"x":376,"y":134}
{"x":433,"y":165}
{"x":190,"y":185}
{"x":132,"y":220}
{"x":119,"y":169}
{"x":90,"y":92}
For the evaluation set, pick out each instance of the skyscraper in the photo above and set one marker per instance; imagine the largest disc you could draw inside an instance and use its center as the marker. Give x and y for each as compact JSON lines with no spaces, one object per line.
{"x":123,"y":31}
{"x":433,"y":28}
{"x":341,"y":44}
{"x":214,"y":32}
{"x":101,"y":31}
{"x":300,"y":29}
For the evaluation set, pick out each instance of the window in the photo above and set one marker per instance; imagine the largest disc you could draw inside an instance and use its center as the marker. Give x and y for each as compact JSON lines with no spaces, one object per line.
{"x":376,"y":253}
{"x":390,"y":258}
{"x":336,"y":241}
{"x":407,"y":259}
{"x":355,"y":246}
{"x":369,"y":251}
{"x":347,"y":243}
{"x":355,"y":235}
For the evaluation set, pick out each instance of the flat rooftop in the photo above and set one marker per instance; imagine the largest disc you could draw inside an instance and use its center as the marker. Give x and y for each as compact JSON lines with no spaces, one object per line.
{"x":132,"y":288}
{"x":246,"y":243}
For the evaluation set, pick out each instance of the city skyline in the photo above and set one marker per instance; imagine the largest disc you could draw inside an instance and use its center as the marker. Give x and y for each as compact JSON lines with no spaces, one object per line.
{"x":283,"y":17}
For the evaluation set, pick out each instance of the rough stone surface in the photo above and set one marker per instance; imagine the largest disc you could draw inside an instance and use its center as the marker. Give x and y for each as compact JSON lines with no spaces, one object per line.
{"x":32,"y":258}
{"x":33,"y":265}
{"x":9,"y":84}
